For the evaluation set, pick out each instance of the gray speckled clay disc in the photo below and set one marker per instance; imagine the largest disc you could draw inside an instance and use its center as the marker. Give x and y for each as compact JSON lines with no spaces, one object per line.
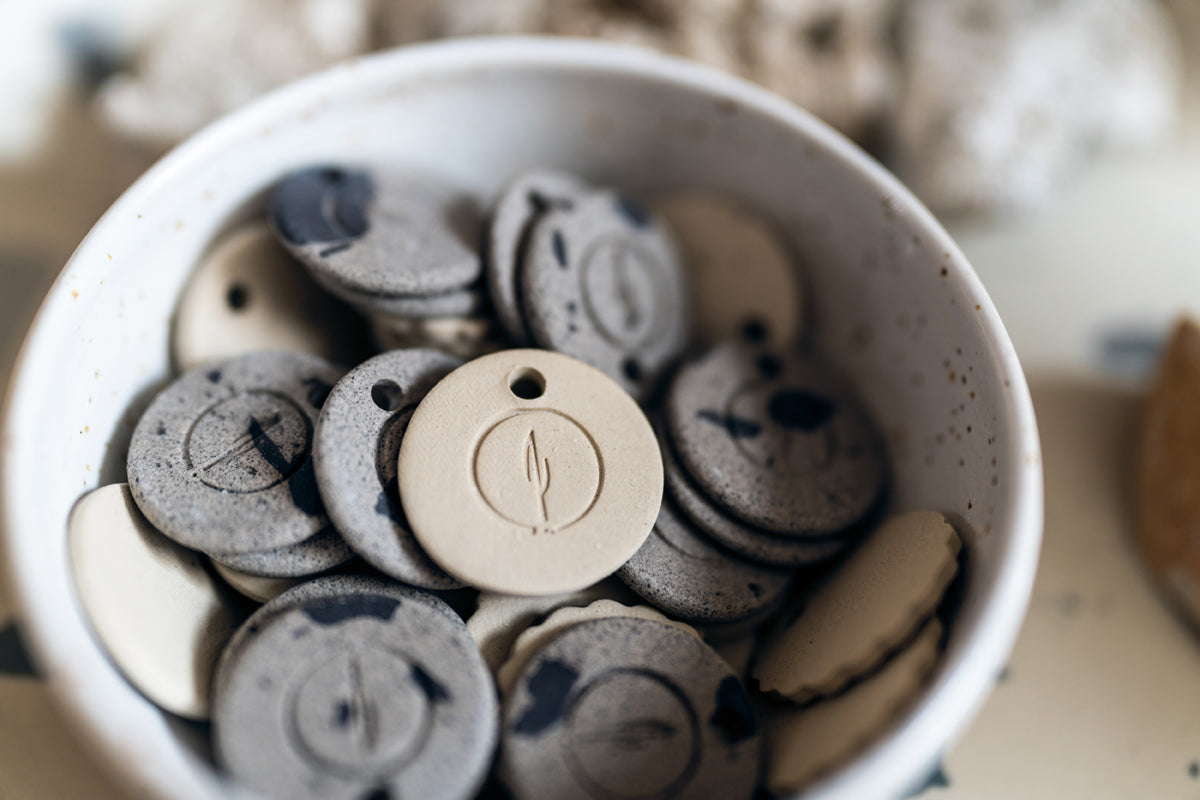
{"x":602,"y":282}
{"x":356,"y":695}
{"x":684,"y":574}
{"x":355,"y":452}
{"x":745,"y":540}
{"x":316,"y":554}
{"x":220,"y":460}
{"x":462,"y":302}
{"x":378,"y":231}
{"x":325,"y":586}
{"x":521,"y":202}
{"x":625,"y":708}
{"x":777,"y":440}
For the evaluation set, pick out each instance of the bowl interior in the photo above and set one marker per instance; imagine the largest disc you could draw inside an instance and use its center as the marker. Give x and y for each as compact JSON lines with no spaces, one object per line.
{"x":891,"y":301}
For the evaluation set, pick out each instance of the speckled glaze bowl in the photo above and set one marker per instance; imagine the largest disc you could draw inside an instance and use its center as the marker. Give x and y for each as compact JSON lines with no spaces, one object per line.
{"x":892,"y":301}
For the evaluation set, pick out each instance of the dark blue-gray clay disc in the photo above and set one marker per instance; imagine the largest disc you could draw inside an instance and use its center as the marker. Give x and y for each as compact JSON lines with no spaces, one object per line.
{"x":354,"y":695}
{"x":355,"y":453}
{"x":220,"y":461}
{"x":685,"y":575}
{"x":777,"y":440}
{"x":602,"y":281}
{"x":378,"y":230}
{"x":520,"y":203}
{"x":726,"y":530}
{"x":623,"y":708}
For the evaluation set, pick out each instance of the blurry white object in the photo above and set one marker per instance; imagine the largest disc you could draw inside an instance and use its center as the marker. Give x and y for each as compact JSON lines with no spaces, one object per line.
{"x":39,"y":56}
{"x":211,"y":57}
{"x":1000,"y":101}
{"x":830,"y":56}
{"x":35,"y":69}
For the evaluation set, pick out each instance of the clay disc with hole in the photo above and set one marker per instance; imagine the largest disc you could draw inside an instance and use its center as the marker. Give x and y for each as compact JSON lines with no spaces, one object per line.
{"x":872,"y":603}
{"x":248,"y":294}
{"x":521,"y":202}
{"x":378,"y":231}
{"x":743,"y":280}
{"x":528,"y":472}
{"x":601,"y":281}
{"x":220,"y":460}
{"x":779,"y":441}
{"x":629,"y":708}
{"x":355,"y":450}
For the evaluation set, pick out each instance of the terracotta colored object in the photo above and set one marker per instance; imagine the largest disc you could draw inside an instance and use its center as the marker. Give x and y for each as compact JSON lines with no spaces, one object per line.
{"x":1169,"y":470}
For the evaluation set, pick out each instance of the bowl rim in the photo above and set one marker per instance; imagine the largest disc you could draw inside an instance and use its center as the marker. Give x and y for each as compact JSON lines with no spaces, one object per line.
{"x":897,"y":763}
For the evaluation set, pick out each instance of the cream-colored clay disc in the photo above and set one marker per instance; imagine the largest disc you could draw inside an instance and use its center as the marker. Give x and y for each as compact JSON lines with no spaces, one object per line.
{"x":873,"y":602}
{"x":463,"y":337}
{"x":248,"y":294}
{"x":535,"y":638}
{"x":739,"y":269}
{"x":805,"y":743}
{"x":255,"y":587}
{"x":154,"y":608}
{"x":500,"y":618}
{"x":528,"y":472}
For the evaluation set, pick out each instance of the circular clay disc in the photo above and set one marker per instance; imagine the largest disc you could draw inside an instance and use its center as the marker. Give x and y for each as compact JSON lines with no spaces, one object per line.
{"x":629,"y":708}
{"x":323,"y":586}
{"x":528,"y":472}
{"x":455,"y":303}
{"x":602,"y":282}
{"x":255,"y":587}
{"x":355,"y":452}
{"x":155,"y":610}
{"x":220,"y":460}
{"x":248,"y":294}
{"x":356,"y":695}
{"x":461,"y":337}
{"x":681,"y":572}
{"x":777,"y":440}
{"x":520,"y":203}
{"x":378,"y":231}
{"x":747,"y":541}
{"x":740,"y":272}
{"x":316,"y":554}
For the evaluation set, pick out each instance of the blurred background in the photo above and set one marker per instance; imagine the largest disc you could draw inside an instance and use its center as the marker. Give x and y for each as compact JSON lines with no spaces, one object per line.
{"x":1058,"y":140}
{"x":997,"y":113}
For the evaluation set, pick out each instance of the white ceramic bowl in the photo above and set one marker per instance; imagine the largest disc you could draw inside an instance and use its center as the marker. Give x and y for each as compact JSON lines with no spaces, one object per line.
{"x":892,"y":301}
